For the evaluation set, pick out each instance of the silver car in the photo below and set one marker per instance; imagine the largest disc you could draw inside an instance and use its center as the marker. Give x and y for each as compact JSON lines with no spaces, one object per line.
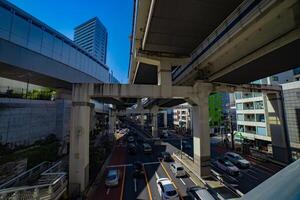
{"x":237,"y":159}
{"x":112,"y":178}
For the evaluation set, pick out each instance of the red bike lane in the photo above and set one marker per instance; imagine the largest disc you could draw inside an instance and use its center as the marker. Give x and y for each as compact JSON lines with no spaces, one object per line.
{"x":118,"y":158}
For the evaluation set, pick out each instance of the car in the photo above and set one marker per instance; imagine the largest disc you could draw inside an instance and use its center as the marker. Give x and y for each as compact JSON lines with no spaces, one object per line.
{"x":177,"y":169}
{"x":165,"y":134}
{"x":166,"y":189}
{"x":132,"y":148}
{"x":147,"y":148}
{"x":166,"y":156}
{"x":198,"y":192}
{"x":138,"y":169}
{"x":130,"y":139}
{"x":112,"y":178}
{"x":237,"y":159}
{"x":227,"y":166}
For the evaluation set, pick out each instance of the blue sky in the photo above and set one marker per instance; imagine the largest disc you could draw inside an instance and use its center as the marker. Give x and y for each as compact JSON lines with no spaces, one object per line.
{"x":64,"y":15}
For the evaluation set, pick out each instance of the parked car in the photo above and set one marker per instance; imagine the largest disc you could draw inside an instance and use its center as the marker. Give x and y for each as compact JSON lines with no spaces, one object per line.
{"x":165,"y":134}
{"x":166,"y":189}
{"x":112,"y":178}
{"x":227,"y":166}
{"x":138,"y":169}
{"x":177,"y":169}
{"x":237,"y":159}
{"x":147,"y":148}
{"x":132,"y":148}
{"x":130,"y":139}
{"x":198,"y":192}
{"x":166,"y":156}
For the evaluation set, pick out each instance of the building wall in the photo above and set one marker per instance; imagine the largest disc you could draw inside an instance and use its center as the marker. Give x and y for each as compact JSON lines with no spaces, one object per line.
{"x":182,"y":116}
{"x":291,"y":93}
{"x":252,"y":109}
{"x":22,"y":122}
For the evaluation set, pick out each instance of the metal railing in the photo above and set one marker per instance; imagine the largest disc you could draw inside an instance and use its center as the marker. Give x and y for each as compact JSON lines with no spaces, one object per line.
{"x":23,"y":177}
{"x":51,"y":185}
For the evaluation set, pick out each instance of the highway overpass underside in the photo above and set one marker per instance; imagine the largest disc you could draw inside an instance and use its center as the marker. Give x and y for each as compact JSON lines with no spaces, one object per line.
{"x":279,"y":60}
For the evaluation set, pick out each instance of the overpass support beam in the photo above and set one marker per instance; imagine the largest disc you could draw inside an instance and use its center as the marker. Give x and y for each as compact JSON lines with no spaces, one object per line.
{"x":278,"y":128}
{"x":200,"y":128}
{"x":79,"y":139}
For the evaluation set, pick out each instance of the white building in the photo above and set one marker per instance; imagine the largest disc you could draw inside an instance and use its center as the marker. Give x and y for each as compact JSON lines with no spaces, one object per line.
{"x":252,"y":111}
{"x":182,"y":116}
{"x":92,"y":36}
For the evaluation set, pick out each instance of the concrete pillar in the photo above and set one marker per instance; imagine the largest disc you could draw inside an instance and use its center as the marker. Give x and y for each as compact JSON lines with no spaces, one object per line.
{"x":200,"y":129}
{"x":164,"y":77}
{"x":112,"y":121}
{"x":154,"y":112}
{"x":278,"y":129}
{"x":79,"y":138}
{"x":165,"y":119}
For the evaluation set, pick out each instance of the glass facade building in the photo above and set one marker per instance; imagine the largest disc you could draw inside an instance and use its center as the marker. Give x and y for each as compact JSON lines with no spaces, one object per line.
{"x":92,"y":36}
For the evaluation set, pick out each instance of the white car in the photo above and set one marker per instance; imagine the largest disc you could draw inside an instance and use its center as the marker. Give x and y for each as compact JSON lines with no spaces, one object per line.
{"x":166,"y":189}
{"x":112,"y":178}
{"x":237,"y":159}
{"x":228,"y":167}
{"x":177,"y":169}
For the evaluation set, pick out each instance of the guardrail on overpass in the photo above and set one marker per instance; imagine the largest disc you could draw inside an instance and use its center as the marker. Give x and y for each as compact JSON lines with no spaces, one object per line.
{"x":51,"y":185}
{"x":26,"y":31}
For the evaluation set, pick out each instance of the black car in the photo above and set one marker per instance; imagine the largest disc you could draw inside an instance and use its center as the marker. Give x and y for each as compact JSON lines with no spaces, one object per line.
{"x":166,"y":156}
{"x":138,"y":169}
{"x":132,"y":148}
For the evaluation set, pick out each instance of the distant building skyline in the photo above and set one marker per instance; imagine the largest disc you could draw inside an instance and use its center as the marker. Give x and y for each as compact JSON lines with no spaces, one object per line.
{"x":92,"y":36}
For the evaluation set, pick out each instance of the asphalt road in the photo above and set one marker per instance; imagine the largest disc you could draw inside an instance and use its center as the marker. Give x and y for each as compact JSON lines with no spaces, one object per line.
{"x":145,"y":186}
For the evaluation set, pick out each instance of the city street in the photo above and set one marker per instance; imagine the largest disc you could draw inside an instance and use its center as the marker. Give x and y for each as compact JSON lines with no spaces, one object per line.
{"x":144,"y":187}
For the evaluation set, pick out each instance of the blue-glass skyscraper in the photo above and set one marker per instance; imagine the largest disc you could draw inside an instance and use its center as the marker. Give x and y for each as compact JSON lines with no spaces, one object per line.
{"x":92,"y":36}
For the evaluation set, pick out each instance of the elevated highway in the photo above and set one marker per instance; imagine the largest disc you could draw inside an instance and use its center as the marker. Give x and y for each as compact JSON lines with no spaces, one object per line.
{"x":214,"y":41}
{"x":31,"y":51}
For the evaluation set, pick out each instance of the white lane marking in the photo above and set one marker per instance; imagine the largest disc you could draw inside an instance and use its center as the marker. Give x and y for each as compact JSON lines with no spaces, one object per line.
{"x":135,"y":188}
{"x":156,"y":175}
{"x":182,"y":181}
{"x":107,"y":191}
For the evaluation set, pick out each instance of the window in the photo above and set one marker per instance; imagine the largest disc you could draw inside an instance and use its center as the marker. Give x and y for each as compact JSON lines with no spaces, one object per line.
{"x":260,"y":117}
{"x":239,"y":106}
{"x":259,"y":105}
{"x":261,"y":131}
{"x":238,"y":95}
{"x":275,"y":78}
{"x":240,"y":117}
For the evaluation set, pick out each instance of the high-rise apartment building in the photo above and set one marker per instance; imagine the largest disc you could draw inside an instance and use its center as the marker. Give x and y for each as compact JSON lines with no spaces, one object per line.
{"x":92,"y":36}
{"x":252,"y":112}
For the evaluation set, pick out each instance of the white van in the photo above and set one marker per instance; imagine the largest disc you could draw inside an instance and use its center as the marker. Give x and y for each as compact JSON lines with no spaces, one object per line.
{"x":177,"y":169}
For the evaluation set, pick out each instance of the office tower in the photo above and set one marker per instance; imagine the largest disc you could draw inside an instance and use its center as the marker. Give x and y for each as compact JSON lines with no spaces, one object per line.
{"x":92,"y":36}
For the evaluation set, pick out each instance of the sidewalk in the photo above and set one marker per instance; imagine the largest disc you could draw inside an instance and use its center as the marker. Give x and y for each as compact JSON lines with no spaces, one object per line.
{"x":219,"y":189}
